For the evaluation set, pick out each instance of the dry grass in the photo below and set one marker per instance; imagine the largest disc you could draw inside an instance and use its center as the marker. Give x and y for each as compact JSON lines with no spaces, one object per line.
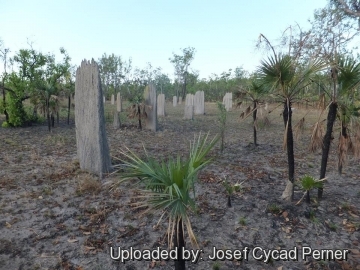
{"x":317,"y":136}
{"x":356,"y":142}
{"x":299,"y":128}
{"x":343,"y":148}
{"x":88,"y":184}
{"x":248,"y":110}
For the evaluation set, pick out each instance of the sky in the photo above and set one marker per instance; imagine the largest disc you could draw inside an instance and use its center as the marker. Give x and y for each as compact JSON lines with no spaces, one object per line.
{"x":223,"y":33}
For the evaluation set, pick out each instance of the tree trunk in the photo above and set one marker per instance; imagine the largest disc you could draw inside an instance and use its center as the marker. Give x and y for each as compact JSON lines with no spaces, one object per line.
{"x":4,"y":104}
{"x":139,"y":113}
{"x":288,"y":194}
{"x":326,"y":143}
{"x":345,"y":135}
{"x":229,"y":201}
{"x":48,"y":114}
{"x":254,"y":122}
{"x":69,"y":106}
{"x":52,"y":120}
{"x":308,"y":196}
{"x":180,"y":244}
{"x":57,"y":118}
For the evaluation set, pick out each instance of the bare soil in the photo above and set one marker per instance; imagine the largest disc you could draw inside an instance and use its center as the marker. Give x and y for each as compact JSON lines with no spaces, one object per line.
{"x":55,"y":216}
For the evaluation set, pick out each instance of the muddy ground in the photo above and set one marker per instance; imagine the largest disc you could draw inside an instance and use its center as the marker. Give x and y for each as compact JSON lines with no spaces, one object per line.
{"x":55,"y":216}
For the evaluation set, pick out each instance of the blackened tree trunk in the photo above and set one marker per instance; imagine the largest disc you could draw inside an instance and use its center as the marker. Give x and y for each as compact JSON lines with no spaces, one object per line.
{"x":308,"y":196}
{"x":287,"y":117}
{"x":69,"y":106}
{"x":326,"y":143}
{"x":254,"y":121}
{"x":4,"y":104}
{"x":180,"y":244}
{"x":229,"y":201}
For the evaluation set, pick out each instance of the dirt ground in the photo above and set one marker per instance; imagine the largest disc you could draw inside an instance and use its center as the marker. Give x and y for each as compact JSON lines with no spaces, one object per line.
{"x":55,"y":216}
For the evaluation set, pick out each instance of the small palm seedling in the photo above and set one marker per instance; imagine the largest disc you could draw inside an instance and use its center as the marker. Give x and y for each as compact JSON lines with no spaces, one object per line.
{"x":242,"y":221}
{"x":169,"y":189}
{"x":229,"y":191}
{"x":308,"y":183}
{"x":332,"y":226}
{"x":216,"y":266}
{"x":255,"y":91}
{"x":274,"y":208}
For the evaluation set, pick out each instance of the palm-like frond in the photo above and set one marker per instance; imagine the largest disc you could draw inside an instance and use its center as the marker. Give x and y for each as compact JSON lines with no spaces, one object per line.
{"x":168,"y":184}
{"x":277,"y":72}
{"x":282,"y":74}
{"x":349,"y":76}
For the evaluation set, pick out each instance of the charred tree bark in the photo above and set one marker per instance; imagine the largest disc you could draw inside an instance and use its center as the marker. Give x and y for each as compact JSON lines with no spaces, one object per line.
{"x":308,"y":196}
{"x":287,"y":117}
{"x":254,"y":122}
{"x":229,"y":201}
{"x":326,"y":143}
{"x":180,"y":244}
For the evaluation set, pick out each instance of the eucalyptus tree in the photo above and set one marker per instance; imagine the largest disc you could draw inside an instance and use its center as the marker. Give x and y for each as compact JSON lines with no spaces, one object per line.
{"x":49,"y":86}
{"x":162,"y":82}
{"x":192,"y":80}
{"x":350,"y":7}
{"x":111,"y":69}
{"x":68,"y":87}
{"x":21,"y":83}
{"x":181,"y":64}
{"x":4,"y":56}
{"x":128,"y":76}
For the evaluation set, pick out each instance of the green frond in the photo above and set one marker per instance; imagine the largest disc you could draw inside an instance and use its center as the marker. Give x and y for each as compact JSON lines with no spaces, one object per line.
{"x":168,"y":183}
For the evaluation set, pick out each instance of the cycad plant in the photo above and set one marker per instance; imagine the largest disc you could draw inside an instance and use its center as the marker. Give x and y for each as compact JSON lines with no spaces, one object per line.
{"x":254,"y":92}
{"x":345,"y":80}
{"x":286,"y":78}
{"x":308,"y":183}
{"x":169,"y":188}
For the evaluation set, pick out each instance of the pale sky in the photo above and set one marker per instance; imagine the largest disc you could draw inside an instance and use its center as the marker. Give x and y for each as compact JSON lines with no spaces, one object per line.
{"x":223,"y":32}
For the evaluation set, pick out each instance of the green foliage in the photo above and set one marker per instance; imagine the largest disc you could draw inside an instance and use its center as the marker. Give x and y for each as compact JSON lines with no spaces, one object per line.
{"x":309,"y":183}
{"x":111,"y":73}
{"x":15,"y":109}
{"x":181,"y":65}
{"x":274,"y":208}
{"x":168,"y":184}
{"x":216,"y":266}
{"x":242,"y":221}
{"x":5,"y":124}
{"x":229,"y":188}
